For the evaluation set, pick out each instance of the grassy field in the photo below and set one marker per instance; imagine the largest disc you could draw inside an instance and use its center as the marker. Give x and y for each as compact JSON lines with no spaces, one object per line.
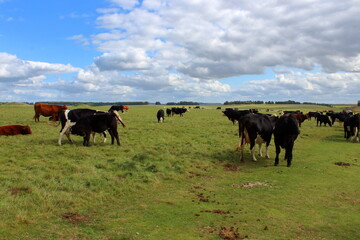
{"x":178,"y":180}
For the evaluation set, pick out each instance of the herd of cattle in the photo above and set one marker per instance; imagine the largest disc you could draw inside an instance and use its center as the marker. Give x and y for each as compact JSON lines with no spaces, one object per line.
{"x":257,"y":128}
{"x":254,"y":127}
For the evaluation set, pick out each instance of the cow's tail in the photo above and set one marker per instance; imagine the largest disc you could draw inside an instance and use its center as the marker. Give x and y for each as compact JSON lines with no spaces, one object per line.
{"x":118,"y":118}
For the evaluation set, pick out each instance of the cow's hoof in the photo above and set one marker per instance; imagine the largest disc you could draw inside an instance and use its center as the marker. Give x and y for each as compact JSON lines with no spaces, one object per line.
{"x":276,"y":164}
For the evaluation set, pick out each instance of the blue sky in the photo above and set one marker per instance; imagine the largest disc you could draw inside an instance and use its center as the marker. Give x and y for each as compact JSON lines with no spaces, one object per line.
{"x":161,"y":50}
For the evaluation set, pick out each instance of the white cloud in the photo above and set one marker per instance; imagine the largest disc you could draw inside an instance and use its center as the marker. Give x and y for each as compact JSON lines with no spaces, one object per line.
{"x":13,"y":69}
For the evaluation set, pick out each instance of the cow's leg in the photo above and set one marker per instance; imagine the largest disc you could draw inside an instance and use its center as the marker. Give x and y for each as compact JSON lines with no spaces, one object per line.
{"x":288,"y":154}
{"x":241,"y":148}
{"x":277,"y":147}
{"x":104,"y":134}
{"x":116,"y":135}
{"x":87,"y":139}
{"x":252,"y":149}
{"x":66,"y":130}
{"x":267,"y":150}
{"x":260,"y":149}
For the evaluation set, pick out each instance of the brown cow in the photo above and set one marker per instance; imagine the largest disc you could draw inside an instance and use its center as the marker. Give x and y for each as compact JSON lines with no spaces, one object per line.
{"x":15,"y":130}
{"x":48,"y":110}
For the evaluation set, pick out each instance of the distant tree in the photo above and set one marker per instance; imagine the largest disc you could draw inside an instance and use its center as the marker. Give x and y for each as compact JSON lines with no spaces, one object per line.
{"x":157,"y":103}
{"x":359,"y":103}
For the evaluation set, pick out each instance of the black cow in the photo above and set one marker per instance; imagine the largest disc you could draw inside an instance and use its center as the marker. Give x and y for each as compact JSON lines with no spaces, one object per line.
{"x":234,"y":115}
{"x":121,"y":108}
{"x":285,"y":133}
{"x":254,"y":128}
{"x":160,"y":116}
{"x":313,"y":114}
{"x":98,"y":123}
{"x":68,"y":118}
{"x":323,"y":119}
{"x":340,"y":116}
{"x":351,"y":127}
{"x":168,"y":112}
{"x":176,"y":110}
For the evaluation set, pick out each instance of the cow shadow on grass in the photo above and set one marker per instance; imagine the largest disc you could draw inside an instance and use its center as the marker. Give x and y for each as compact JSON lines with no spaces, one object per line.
{"x":232,"y":158}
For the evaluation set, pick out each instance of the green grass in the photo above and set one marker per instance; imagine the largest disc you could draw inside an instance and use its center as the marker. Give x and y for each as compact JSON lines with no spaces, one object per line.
{"x":176,"y":180}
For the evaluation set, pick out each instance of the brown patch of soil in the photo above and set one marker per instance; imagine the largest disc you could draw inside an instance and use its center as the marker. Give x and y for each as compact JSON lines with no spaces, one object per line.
{"x":75,"y":218}
{"x":342,"y":164}
{"x":216,"y":211}
{"x":249,"y":185}
{"x":16,"y":191}
{"x":231,"y":167}
{"x":194,"y":174}
{"x":230,"y":233}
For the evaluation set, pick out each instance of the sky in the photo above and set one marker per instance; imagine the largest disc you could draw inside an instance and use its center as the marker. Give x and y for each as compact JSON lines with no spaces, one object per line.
{"x":180,"y":50}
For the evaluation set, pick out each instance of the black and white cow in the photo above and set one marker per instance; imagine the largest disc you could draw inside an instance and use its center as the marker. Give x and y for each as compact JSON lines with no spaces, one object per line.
{"x":160,"y":116}
{"x":351,"y":127}
{"x":234,"y":115}
{"x":285,"y":133}
{"x":98,"y":123}
{"x":68,"y":118}
{"x":323,"y":119}
{"x":255,"y":128}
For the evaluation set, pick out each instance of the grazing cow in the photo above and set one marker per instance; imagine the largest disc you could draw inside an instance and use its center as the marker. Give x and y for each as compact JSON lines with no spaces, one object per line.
{"x":176,"y":110}
{"x":98,"y":123}
{"x":351,"y":127}
{"x":285,"y":133}
{"x":68,"y":118}
{"x":313,"y":114}
{"x":11,"y":130}
{"x":168,"y":112}
{"x":255,"y":128}
{"x":121,"y":108}
{"x":48,"y":110}
{"x":300,"y":117}
{"x":323,"y":119}
{"x":160,"y":116}
{"x":340,"y":116}
{"x":234,"y":115}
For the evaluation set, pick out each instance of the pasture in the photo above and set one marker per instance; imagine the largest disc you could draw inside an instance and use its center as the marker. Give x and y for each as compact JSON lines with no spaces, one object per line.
{"x":180,"y":179}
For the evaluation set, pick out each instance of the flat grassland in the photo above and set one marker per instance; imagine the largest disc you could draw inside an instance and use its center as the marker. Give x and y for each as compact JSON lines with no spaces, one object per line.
{"x":181,"y":179}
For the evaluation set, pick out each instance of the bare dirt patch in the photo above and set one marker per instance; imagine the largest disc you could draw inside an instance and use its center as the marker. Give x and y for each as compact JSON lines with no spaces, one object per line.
{"x":250,"y":185}
{"x":230,"y":233}
{"x":75,"y":218}
{"x":16,"y":191}
{"x":342,"y":164}
{"x":231,"y":167}
{"x":216,"y":211}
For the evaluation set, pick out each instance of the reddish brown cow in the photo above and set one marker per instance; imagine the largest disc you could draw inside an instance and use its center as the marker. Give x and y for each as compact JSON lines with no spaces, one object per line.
{"x":48,"y":110}
{"x":300,"y":117}
{"x":15,"y":130}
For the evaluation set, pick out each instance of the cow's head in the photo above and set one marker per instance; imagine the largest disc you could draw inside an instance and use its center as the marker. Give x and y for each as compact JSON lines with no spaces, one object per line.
{"x":25,"y":130}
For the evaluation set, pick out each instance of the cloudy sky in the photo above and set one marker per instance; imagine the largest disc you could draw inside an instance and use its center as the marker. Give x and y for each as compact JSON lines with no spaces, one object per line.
{"x":180,"y":50}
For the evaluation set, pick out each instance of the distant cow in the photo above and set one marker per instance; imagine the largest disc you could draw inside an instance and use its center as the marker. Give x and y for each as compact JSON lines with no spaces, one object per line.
{"x":48,"y":110}
{"x":68,"y":118}
{"x":340,"y":116}
{"x":98,"y":123}
{"x":254,"y":128}
{"x":15,"y":130}
{"x":351,"y":127}
{"x":121,"y":108}
{"x":160,"y":116}
{"x":234,"y":115}
{"x":300,"y":117}
{"x":176,"y":110}
{"x":285,"y":133}
{"x":323,"y":119}
{"x":313,"y":114}
{"x":168,"y":112}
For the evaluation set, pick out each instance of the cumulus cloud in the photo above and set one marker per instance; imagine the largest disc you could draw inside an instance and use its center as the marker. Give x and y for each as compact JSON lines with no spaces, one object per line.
{"x":219,"y":39}
{"x":14,"y":69}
